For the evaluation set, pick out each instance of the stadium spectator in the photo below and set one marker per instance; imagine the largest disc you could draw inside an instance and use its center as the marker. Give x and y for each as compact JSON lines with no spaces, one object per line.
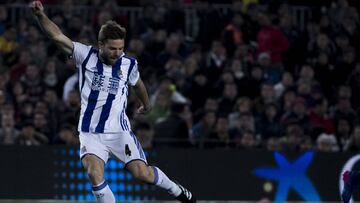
{"x":272,"y":72}
{"x":228,"y":98}
{"x":227,"y":77}
{"x":243,"y":105}
{"x":319,"y":119}
{"x":8,"y":42}
{"x":354,"y":143}
{"x":72,"y":108}
{"x":342,"y":109}
{"x":343,"y":129}
{"x":3,"y":19}
{"x":268,"y":124}
{"x":294,"y":135}
{"x":201,"y":130}
{"x":247,"y":140}
{"x":322,"y":44}
{"x":18,"y":94}
{"x":197,"y":90}
{"x":307,"y":144}
{"x":56,"y":108}
{"x":220,"y":137}
{"x":287,"y":81}
{"x":211,"y":104}
{"x":173,"y":130}
{"x":19,"y":68}
{"x":29,"y":136}
{"x":214,"y":61}
{"x":33,"y":84}
{"x":246,"y":122}
{"x":8,"y":132}
{"x":270,"y":39}
{"x":326,"y":143}
{"x":50,"y":76}
{"x":250,"y":85}
{"x":233,"y":34}
{"x":325,"y":74}
{"x":208,"y":15}
{"x":66,"y":136}
{"x":267,"y":95}
{"x":145,"y":134}
{"x":354,"y":82}
{"x":345,"y":66}
{"x":274,"y":144}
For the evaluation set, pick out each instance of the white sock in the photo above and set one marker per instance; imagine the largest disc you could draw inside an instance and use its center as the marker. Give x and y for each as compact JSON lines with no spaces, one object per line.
{"x":163,"y":181}
{"x":103,"y":193}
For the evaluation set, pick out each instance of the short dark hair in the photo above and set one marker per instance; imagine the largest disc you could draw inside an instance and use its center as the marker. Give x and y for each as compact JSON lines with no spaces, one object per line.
{"x":111,"y":30}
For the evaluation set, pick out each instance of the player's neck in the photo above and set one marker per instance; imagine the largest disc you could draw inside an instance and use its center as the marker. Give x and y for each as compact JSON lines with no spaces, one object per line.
{"x":103,"y":60}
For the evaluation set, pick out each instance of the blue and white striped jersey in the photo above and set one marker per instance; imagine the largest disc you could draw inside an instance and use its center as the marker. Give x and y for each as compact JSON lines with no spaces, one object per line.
{"x":103,"y":90}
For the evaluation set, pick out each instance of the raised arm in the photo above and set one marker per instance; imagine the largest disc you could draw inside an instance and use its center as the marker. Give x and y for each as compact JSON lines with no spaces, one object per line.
{"x":143,"y":96}
{"x":51,"y":29}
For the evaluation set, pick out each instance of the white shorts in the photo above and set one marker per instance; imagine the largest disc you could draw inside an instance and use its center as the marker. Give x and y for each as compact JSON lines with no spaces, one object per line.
{"x":124,"y":146}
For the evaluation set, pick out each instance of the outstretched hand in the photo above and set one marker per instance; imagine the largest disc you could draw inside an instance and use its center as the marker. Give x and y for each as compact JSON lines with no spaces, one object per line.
{"x":37,"y":8}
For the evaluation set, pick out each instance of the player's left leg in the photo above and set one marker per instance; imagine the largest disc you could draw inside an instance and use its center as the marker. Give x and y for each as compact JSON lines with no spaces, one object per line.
{"x":94,"y":156}
{"x":95,"y":169}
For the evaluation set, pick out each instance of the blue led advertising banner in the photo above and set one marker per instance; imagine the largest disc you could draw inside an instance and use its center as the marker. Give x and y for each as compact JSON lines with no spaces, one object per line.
{"x":56,"y":173}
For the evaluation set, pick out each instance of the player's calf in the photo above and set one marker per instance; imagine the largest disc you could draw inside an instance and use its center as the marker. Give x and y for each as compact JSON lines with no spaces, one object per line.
{"x":144,"y":174}
{"x":94,"y":168}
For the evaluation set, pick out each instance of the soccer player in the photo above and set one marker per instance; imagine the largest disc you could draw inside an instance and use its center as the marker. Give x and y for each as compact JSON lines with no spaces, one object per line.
{"x":105,"y":75}
{"x":351,"y":181}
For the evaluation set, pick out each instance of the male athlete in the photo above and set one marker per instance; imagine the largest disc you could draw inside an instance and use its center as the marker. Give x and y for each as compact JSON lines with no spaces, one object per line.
{"x":104,"y":77}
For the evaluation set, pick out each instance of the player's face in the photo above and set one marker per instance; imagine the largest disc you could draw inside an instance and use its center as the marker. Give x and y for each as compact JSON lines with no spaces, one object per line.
{"x":111,"y":50}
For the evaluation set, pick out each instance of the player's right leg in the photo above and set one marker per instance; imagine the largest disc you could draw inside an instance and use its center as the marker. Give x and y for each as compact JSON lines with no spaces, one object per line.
{"x":153,"y":175}
{"x":128,"y":149}
{"x":94,"y":155}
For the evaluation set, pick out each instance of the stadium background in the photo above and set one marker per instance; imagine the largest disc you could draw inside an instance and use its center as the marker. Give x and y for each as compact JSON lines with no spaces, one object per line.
{"x":236,"y":86}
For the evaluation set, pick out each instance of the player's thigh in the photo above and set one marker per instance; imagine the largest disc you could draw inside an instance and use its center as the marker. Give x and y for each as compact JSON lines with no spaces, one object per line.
{"x":127,"y":148}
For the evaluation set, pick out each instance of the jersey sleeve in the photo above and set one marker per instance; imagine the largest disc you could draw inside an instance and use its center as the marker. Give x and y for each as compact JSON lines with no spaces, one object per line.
{"x":134,"y":74}
{"x":80,"y":52}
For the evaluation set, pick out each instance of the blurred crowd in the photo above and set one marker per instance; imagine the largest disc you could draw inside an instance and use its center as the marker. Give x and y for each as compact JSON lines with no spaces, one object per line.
{"x":249,"y":79}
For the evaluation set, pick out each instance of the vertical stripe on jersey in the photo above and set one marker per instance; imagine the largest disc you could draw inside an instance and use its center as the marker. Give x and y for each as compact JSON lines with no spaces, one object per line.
{"x":107,"y":107}
{"x":123,"y":122}
{"x":122,"y":118}
{"x":132,"y":63}
{"x":94,"y":94}
{"x":138,"y":146}
{"x":83,"y":68}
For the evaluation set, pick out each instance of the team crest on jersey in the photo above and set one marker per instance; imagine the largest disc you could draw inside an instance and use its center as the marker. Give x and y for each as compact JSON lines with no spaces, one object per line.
{"x":83,"y":150}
